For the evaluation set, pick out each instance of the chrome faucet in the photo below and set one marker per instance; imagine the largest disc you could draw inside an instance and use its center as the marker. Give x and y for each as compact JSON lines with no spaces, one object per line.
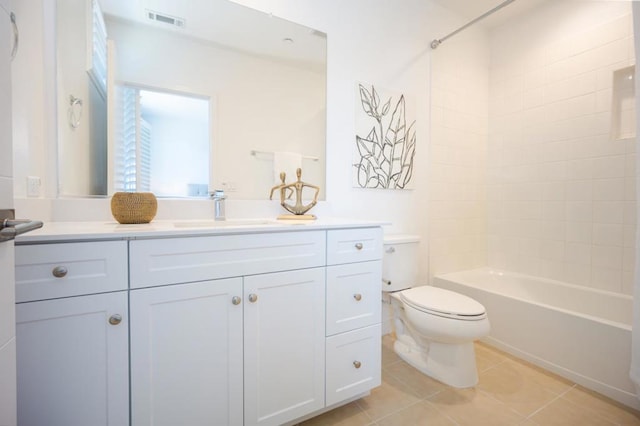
{"x":218,"y":198}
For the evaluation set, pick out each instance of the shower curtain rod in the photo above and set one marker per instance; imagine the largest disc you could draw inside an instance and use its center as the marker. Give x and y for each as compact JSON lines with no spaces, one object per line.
{"x":438,"y":41}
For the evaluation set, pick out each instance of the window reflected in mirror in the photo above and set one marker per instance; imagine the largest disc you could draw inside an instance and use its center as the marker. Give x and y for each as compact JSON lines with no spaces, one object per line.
{"x":161,"y":143}
{"x":266,"y":83}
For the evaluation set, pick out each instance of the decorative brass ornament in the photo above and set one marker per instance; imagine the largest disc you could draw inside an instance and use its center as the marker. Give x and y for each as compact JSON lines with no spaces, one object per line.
{"x":287,"y":190}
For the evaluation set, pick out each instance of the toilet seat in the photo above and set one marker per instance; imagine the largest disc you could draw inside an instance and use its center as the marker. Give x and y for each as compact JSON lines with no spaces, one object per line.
{"x":443,"y":303}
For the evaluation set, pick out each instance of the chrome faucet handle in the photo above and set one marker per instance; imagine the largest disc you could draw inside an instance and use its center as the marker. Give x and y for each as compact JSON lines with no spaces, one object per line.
{"x":217,"y":194}
{"x":218,"y":198}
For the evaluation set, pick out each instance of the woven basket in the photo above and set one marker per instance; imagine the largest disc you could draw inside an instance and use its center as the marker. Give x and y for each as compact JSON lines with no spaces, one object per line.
{"x":134,"y":207}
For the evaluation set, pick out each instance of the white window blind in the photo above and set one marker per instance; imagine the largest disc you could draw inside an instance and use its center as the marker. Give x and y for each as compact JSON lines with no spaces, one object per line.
{"x":143,"y":170}
{"x":133,"y":143}
{"x":98,"y":66}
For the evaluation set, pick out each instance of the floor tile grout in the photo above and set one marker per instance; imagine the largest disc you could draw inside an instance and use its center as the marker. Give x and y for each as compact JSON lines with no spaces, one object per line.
{"x":558,"y":396}
{"x":403,"y":395}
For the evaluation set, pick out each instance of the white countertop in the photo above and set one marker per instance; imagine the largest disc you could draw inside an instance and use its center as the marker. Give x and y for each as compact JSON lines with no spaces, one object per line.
{"x":85,"y":231}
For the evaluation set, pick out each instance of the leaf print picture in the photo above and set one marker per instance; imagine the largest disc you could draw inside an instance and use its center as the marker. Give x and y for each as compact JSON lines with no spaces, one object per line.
{"x":385,"y":142}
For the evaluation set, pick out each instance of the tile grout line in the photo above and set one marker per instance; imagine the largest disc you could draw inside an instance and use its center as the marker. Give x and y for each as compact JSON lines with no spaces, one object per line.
{"x":365,"y":412}
{"x":420,"y":401}
{"x":442,"y":412}
{"x":557,"y":397}
{"x":490,"y":396}
{"x":560,"y":397}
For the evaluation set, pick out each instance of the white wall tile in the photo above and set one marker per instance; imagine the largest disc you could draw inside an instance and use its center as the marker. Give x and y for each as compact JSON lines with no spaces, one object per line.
{"x":553,"y":171}
{"x":630,"y":188}
{"x":579,"y":232}
{"x":608,"y":212}
{"x":552,"y":250}
{"x":609,"y":167}
{"x":628,"y":282}
{"x":579,"y":211}
{"x":609,"y":279}
{"x":603,"y":100}
{"x":607,"y":257}
{"x":630,"y":213}
{"x":578,"y":253}
{"x":608,"y":189}
{"x":560,"y":195}
{"x":579,"y":190}
{"x":553,"y":151}
{"x":553,"y":191}
{"x":630,"y":162}
{"x":607,"y":234}
{"x":629,"y":259}
{"x":553,"y":270}
{"x":578,"y":274}
{"x":550,"y":229}
{"x":554,"y":211}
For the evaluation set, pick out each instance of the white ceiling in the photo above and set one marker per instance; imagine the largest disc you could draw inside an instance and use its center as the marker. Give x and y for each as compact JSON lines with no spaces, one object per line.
{"x":471,"y":9}
{"x":230,"y":24}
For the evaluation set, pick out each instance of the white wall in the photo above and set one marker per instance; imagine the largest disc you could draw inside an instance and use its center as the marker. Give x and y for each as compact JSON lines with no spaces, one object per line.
{"x":33,"y":106}
{"x":561,"y":192}
{"x":73,"y":80}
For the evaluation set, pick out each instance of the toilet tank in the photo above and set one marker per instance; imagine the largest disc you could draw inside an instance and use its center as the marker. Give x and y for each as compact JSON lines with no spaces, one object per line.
{"x":400,"y":262}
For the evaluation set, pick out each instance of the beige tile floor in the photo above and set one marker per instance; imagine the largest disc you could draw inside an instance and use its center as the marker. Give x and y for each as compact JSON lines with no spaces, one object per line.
{"x":510,"y":392}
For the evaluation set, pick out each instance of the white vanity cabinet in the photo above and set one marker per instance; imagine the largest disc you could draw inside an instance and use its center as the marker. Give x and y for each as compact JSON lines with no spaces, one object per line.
{"x":246,"y":328}
{"x":248,"y":349}
{"x":72,"y":344}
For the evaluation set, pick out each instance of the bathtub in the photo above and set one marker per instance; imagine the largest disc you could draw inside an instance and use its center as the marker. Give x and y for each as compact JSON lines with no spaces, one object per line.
{"x":577,"y":332}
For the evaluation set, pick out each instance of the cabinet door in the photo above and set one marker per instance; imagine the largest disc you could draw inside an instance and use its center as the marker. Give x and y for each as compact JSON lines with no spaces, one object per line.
{"x":186,"y":354}
{"x":73,"y":364}
{"x":284,"y":345}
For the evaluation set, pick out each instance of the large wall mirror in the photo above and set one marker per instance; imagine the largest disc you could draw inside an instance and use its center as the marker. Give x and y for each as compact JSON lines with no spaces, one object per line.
{"x":181,"y":98}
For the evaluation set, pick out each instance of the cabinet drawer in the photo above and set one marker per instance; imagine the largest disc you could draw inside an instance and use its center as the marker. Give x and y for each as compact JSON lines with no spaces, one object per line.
{"x":354,"y":245}
{"x":353,"y":363}
{"x":47,"y":271}
{"x":177,"y":260}
{"x":353,"y":296}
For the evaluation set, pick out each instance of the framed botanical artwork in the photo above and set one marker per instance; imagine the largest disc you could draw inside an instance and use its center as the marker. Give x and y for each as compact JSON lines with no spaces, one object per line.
{"x":385,"y":143}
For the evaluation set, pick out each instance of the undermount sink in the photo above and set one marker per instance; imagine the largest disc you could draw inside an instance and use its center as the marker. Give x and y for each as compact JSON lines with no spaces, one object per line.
{"x":222,"y":223}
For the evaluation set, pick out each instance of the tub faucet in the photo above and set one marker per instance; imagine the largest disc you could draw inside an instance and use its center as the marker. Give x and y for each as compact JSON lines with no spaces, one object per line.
{"x":218,"y":198}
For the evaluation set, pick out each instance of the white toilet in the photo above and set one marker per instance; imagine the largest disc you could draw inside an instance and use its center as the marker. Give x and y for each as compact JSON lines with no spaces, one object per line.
{"x":435,"y":328}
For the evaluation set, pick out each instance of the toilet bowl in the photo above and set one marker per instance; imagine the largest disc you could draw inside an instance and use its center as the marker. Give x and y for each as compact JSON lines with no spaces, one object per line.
{"x":435,"y":328}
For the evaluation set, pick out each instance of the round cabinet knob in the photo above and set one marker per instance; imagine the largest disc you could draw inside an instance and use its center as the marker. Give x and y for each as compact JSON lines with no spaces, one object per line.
{"x":236,"y":300}
{"x":357,"y":296}
{"x":59,"y":271}
{"x":359,"y":246}
{"x":357,"y":364}
{"x":253,"y":298}
{"x":115,"y":319}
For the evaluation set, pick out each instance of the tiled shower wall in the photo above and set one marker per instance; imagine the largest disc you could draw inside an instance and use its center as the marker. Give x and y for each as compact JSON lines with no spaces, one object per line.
{"x":458,"y":152}
{"x":560,"y":189}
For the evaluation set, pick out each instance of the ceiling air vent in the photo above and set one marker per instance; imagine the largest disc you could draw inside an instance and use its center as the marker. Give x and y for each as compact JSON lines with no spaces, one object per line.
{"x":165,"y":19}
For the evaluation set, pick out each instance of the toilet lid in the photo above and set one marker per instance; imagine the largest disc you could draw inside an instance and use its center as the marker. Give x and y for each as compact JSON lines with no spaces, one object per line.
{"x":443,"y":302}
